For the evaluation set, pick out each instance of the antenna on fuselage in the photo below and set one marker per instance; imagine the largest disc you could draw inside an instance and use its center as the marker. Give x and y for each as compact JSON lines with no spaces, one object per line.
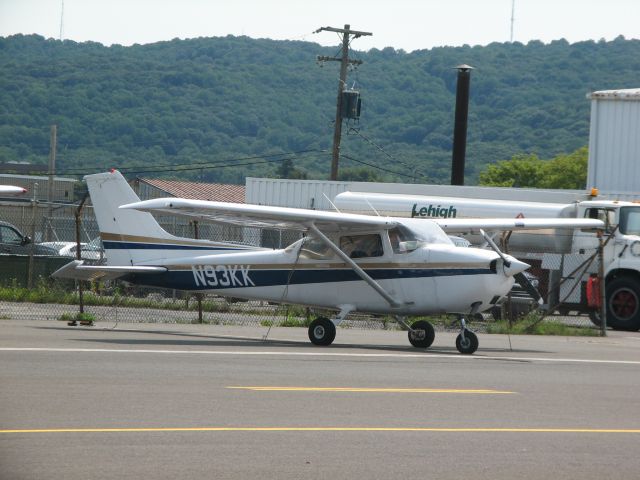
{"x":332,"y":204}
{"x":372,"y":208}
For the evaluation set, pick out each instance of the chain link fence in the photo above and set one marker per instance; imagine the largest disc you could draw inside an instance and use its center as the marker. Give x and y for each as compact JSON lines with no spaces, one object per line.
{"x":30,"y":293}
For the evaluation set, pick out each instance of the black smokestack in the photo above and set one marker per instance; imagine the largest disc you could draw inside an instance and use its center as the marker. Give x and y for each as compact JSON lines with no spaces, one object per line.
{"x":460,"y":126}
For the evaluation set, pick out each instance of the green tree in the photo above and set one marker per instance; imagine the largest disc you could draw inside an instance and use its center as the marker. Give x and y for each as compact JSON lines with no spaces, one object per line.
{"x":564,"y":171}
{"x":358,"y":174}
{"x":520,"y":171}
{"x":288,"y":170}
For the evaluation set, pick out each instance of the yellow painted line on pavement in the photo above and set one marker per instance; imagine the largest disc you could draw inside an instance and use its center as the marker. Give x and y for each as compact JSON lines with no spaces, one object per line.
{"x":375,"y":390}
{"x":326,"y":429}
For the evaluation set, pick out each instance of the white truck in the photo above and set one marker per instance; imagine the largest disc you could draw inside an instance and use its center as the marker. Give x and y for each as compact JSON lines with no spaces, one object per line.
{"x":621,"y":252}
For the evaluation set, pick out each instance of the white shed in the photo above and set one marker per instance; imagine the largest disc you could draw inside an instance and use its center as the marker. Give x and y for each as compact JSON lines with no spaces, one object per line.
{"x":614,"y":143}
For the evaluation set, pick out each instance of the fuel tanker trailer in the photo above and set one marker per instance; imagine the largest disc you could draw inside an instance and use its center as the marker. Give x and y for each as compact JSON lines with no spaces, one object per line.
{"x":560,"y":250}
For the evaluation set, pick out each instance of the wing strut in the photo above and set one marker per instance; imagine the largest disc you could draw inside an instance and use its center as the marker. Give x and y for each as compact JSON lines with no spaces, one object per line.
{"x":356,"y":268}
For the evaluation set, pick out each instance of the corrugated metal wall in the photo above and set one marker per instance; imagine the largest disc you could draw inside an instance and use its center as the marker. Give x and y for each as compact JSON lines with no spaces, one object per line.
{"x":310,"y":194}
{"x":614,"y":143}
{"x":313,"y":193}
{"x":62,"y":187}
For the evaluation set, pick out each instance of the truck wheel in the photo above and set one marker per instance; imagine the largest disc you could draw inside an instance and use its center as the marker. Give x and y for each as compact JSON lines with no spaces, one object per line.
{"x":623,"y":304}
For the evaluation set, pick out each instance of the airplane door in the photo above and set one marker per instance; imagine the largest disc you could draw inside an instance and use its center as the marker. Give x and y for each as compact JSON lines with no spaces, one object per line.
{"x":412,"y":281}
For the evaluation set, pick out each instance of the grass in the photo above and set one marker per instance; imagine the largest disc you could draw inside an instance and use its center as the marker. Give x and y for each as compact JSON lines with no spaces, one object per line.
{"x":532,"y":325}
{"x":294,"y":316}
{"x":47,"y":293}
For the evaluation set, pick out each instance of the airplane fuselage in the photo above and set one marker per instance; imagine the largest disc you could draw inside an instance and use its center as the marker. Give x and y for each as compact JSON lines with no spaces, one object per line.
{"x":434,"y":279}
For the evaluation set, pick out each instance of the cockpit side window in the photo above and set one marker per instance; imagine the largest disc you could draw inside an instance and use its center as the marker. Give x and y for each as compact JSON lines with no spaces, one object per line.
{"x":402,"y":239}
{"x":315,"y":249}
{"x":361,"y":246}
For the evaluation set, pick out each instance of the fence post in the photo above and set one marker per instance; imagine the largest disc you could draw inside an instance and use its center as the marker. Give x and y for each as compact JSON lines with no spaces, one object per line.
{"x":602,"y":294}
{"x":32,"y":233}
{"x":78,"y":214}
{"x":198,"y":295}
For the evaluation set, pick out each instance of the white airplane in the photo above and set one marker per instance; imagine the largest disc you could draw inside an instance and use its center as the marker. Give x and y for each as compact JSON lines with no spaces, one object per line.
{"x":345,"y":263}
{"x":6,"y":190}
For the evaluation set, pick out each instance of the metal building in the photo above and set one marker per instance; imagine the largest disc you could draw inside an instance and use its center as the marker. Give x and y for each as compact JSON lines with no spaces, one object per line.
{"x":614,"y":143}
{"x":312,"y":194}
{"x":38,"y":186}
{"x":318,"y":194}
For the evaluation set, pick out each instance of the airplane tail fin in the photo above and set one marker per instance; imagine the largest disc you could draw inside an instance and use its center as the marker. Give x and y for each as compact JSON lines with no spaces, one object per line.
{"x":131,"y":237}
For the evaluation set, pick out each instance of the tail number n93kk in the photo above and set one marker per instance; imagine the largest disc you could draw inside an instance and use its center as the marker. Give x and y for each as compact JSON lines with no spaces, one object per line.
{"x":222,"y":276}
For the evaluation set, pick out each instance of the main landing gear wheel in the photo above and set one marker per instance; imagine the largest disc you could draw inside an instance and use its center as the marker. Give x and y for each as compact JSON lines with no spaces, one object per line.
{"x":421,"y":334}
{"x":467,"y":342}
{"x":322,"y":331}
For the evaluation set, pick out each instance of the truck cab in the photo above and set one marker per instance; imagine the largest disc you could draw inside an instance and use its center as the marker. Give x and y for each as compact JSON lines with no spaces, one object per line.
{"x":621,"y":258}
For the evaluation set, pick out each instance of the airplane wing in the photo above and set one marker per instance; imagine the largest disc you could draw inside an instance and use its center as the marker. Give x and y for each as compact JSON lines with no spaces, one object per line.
{"x":284,"y":218}
{"x":467,"y":225}
{"x":77,"y":271}
{"x":11,"y":190}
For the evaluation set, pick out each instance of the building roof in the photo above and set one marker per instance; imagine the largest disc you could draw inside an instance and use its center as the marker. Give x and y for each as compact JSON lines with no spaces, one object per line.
{"x":625,"y":94}
{"x":42,"y":178}
{"x":217,"y":192}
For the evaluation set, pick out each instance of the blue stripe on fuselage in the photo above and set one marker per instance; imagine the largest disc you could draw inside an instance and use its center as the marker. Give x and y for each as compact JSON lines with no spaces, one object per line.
{"x":110,"y":245}
{"x":185,"y":279}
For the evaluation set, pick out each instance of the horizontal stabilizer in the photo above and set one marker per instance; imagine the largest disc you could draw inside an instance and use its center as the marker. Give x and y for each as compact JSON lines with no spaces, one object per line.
{"x":76,"y":270}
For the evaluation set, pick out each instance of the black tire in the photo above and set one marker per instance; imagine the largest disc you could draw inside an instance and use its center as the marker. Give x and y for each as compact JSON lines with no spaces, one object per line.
{"x":623,"y":304}
{"x":421,"y":334}
{"x":470,"y":343}
{"x":322,"y":331}
{"x":594,"y":316}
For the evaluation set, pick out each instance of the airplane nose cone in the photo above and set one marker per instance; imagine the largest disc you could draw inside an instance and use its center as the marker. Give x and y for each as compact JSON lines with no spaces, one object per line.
{"x":515,"y":267}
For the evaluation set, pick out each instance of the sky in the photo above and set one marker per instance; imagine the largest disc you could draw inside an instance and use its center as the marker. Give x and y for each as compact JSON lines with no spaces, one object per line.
{"x":401,"y":24}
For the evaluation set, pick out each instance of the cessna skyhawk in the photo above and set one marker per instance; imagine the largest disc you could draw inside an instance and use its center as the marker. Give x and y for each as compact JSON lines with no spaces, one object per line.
{"x":344,"y":262}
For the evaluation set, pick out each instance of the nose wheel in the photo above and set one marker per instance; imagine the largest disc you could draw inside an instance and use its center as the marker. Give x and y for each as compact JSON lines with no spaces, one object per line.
{"x":466,"y":341}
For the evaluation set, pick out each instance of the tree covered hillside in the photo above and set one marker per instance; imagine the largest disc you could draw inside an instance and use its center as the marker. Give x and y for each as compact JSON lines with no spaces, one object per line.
{"x":220,"y":109}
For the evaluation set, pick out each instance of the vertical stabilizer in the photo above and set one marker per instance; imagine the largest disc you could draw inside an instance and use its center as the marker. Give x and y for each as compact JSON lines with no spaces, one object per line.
{"x":118,"y":227}
{"x":131,"y":237}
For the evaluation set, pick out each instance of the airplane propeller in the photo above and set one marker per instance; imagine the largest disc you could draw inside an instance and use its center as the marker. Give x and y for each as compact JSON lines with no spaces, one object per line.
{"x":514,"y":267}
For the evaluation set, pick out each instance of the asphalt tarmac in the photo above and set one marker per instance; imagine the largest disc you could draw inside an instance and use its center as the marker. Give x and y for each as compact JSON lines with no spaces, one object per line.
{"x":191,"y":401}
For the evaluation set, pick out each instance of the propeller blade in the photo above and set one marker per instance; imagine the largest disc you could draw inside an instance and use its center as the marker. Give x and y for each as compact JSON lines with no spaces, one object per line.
{"x":525,"y":283}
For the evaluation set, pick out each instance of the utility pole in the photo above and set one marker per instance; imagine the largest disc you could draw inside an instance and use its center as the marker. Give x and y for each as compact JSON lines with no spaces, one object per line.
{"x":344,"y":62}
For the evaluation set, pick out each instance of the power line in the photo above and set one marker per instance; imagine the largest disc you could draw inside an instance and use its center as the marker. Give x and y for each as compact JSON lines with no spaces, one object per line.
{"x":176,"y":168}
{"x":371,"y":165}
{"x":371,"y":142}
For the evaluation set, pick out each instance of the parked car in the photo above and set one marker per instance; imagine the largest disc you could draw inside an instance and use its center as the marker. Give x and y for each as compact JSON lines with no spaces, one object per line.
{"x":88,"y":251}
{"x":520,"y":301}
{"x":13,"y":242}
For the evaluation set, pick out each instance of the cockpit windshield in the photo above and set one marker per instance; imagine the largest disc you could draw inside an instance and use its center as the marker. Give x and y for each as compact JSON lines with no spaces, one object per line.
{"x":405,"y":239}
{"x":630,"y":220}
